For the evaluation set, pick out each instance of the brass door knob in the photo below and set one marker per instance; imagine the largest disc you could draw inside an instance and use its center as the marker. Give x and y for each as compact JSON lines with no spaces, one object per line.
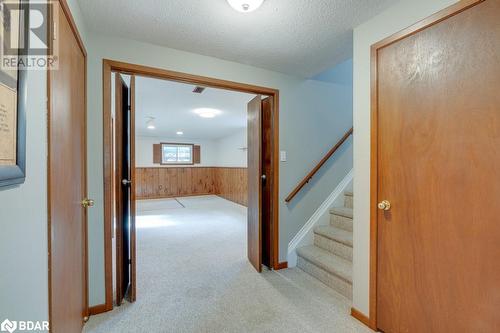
{"x":86,"y":203}
{"x":384,"y":205}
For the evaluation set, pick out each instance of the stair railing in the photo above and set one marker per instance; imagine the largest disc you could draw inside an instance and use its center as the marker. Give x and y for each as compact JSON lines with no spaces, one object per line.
{"x":318,"y":166}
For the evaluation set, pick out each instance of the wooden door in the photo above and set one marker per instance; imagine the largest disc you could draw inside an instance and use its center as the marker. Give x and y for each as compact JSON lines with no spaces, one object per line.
{"x":267,"y":181}
{"x":125,"y":189}
{"x":67,"y":183}
{"x":254,"y":234}
{"x":439,"y":167}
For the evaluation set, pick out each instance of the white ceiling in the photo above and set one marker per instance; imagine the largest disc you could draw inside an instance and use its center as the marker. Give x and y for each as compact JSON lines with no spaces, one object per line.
{"x":299,"y":37}
{"x":172,"y":105}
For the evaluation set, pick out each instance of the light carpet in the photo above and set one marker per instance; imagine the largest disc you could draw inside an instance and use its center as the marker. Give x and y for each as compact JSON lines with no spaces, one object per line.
{"x":193,"y":276}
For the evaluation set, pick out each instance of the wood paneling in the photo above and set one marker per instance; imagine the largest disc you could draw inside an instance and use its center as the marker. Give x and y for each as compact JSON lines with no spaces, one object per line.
{"x":229,"y":183}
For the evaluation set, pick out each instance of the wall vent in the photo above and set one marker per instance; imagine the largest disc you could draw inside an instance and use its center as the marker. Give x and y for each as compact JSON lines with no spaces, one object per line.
{"x":198,"y":89}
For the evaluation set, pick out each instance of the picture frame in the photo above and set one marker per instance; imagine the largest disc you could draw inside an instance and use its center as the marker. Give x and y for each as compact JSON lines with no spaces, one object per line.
{"x":13,"y":114}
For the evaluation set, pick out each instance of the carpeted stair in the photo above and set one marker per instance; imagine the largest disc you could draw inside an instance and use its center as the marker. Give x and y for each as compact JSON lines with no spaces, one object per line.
{"x":330,"y":258}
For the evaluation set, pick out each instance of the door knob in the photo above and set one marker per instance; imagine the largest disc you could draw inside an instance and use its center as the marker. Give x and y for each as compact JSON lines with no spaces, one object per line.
{"x":384,"y":205}
{"x":126,"y":182}
{"x":263,"y":177}
{"x":86,"y":203}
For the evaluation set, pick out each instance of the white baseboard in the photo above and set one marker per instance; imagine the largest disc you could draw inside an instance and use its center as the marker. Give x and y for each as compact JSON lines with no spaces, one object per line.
{"x":305,"y":235}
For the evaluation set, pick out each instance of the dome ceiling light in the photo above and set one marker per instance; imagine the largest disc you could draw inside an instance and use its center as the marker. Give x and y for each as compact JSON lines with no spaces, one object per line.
{"x":245,"y":6}
{"x":207,"y":113}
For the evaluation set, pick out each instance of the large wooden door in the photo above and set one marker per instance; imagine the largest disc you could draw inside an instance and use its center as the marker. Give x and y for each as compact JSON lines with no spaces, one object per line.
{"x":438,"y":107}
{"x":67,"y":183}
{"x":267,"y":181}
{"x":254,"y":234}
{"x":125,"y":188}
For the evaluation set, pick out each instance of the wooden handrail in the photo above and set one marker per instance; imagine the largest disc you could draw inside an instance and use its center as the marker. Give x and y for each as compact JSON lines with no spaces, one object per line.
{"x":318,"y":166}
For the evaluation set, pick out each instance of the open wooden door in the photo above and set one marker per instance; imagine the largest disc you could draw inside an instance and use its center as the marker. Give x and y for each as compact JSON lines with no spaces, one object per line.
{"x":125,"y":188}
{"x":267,"y":179}
{"x":67,"y":183}
{"x":438,"y":182}
{"x":254,"y":233}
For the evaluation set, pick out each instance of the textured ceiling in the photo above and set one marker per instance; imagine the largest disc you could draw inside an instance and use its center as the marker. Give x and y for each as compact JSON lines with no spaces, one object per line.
{"x":172,"y":105}
{"x":299,"y":37}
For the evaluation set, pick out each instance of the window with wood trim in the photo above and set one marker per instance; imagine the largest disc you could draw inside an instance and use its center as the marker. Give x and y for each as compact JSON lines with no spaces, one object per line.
{"x":176,"y":154}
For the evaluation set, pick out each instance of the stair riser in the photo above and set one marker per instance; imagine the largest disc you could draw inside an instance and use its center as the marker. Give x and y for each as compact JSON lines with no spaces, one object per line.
{"x":331,"y":280}
{"x":341,"y":222}
{"x":348,"y":201}
{"x":334,"y":247}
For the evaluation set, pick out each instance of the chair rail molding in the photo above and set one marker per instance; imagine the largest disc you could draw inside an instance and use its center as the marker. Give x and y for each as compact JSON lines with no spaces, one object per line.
{"x":321,"y":216}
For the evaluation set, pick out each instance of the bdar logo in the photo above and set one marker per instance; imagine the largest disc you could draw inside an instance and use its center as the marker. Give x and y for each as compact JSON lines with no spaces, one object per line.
{"x":8,"y":326}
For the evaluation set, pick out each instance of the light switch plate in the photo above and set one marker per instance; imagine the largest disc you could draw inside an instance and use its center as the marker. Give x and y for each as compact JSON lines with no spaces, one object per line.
{"x":283,"y":156}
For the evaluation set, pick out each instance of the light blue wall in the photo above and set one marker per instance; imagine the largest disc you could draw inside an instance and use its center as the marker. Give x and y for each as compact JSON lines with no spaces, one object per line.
{"x":340,"y":74}
{"x":327,"y":118}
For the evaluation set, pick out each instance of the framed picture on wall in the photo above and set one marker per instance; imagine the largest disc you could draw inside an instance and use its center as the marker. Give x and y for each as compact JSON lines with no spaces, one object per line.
{"x":13,"y":94}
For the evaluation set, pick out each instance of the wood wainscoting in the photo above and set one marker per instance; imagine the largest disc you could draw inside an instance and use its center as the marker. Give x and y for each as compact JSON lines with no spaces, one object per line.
{"x":231,"y":184}
{"x":162,"y":182}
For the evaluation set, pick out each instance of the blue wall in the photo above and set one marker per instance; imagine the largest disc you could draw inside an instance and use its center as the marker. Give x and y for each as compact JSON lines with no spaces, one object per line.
{"x":320,"y":126}
{"x":341,"y":74}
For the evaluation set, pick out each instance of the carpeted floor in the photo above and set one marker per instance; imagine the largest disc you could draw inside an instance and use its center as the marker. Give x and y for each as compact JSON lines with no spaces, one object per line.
{"x":193,"y":276}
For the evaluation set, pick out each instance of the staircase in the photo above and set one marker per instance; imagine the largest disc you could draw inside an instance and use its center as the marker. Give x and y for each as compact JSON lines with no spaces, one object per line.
{"x":330,"y":258}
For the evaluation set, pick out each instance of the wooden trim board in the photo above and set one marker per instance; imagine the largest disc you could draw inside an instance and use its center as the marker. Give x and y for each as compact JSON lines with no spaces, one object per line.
{"x":97,"y":309}
{"x":282,"y":265}
{"x":362,"y":318}
{"x":110,"y":66}
{"x":423,"y":24}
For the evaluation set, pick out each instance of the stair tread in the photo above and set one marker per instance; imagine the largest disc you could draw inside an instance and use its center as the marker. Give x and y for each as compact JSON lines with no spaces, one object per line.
{"x":342,"y":211}
{"x":327,"y":261}
{"x":349,"y":193}
{"x":336,"y":234}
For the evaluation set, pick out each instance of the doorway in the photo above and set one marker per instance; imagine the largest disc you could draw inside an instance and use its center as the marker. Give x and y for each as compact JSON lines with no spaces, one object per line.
{"x":435,"y":181}
{"x":263,"y":159}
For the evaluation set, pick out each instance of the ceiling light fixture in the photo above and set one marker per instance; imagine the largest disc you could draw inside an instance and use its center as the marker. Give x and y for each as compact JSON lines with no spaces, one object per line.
{"x":207,"y":113}
{"x":179,"y":133}
{"x":150,"y":123}
{"x":245,"y":6}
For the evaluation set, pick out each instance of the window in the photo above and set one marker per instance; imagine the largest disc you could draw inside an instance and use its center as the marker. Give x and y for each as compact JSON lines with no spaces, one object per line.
{"x":176,"y":153}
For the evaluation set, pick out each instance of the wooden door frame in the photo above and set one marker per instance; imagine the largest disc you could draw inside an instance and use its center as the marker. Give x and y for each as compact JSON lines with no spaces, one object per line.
{"x":67,"y":12}
{"x":436,"y":18}
{"x":110,"y":66}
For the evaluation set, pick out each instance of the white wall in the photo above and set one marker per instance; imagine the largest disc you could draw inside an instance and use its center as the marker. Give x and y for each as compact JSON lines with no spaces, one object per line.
{"x":144,"y":151}
{"x":394,"y":19}
{"x":230,"y":152}
{"x":313,"y":116}
{"x":222,"y":152}
{"x":23,"y":215}
{"x":23,"y":220}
